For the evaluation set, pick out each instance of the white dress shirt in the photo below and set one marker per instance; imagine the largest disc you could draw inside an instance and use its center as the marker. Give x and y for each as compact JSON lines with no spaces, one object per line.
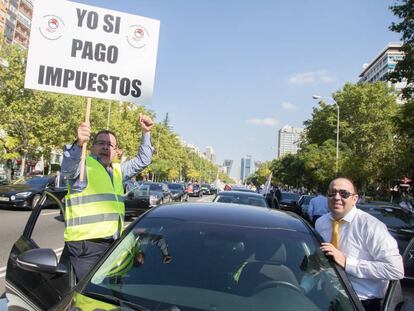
{"x":372,"y":256}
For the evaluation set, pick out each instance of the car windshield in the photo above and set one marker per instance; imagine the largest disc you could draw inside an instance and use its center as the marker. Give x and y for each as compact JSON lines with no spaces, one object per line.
{"x":241,"y":199}
{"x":392,"y":218}
{"x":175,"y":187}
{"x":140,"y":190}
{"x":155,"y":187}
{"x":170,"y":264}
{"x":307,"y":199}
{"x":38,"y":181}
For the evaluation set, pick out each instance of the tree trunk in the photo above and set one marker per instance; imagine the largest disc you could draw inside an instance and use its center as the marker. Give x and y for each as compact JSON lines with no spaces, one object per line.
{"x":23,"y":165}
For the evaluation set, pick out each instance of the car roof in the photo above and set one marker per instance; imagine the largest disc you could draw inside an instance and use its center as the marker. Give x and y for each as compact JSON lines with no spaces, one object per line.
{"x":231,"y":215}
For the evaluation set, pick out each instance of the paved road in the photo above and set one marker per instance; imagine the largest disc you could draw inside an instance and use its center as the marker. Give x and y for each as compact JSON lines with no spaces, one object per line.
{"x":48,"y":232}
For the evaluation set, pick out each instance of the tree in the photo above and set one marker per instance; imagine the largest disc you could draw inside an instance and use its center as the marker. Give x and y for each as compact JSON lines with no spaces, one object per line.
{"x":404,"y":70}
{"x":367,"y":130}
{"x":288,"y":170}
{"x":260,"y":176}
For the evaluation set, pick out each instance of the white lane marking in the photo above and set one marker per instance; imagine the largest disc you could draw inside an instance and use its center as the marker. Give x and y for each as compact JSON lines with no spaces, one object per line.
{"x":58,"y":252}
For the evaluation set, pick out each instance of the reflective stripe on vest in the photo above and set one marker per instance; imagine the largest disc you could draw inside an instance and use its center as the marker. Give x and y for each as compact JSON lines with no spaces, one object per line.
{"x":95,"y":198}
{"x":98,"y":210}
{"x":86,"y":220}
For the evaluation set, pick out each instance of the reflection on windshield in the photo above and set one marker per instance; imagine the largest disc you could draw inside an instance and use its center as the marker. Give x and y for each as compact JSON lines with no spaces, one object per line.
{"x":175,"y":187}
{"x":32,"y":181}
{"x":393,"y":218}
{"x":166,"y":262}
{"x":132,"y":255}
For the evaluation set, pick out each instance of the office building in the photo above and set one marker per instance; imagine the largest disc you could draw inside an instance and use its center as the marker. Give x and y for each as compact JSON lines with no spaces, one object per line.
{"x":227,"y":164}
{"x":379,"y":68}
{"x":210,"y":154}
{"x":289,"y":140}
{"x":245,"y":167}
{"x":3,"y":16}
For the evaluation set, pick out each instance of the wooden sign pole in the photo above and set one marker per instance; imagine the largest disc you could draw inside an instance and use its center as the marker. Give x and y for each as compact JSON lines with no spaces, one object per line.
{"x":83,"y":157}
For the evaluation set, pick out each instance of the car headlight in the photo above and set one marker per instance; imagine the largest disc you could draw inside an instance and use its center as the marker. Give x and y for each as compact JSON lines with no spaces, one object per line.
{"x":23,"y":194}
{"x":153,"y":199}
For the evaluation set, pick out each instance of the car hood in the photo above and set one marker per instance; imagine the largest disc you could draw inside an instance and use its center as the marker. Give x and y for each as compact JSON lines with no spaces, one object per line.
{"x":13,"y":189}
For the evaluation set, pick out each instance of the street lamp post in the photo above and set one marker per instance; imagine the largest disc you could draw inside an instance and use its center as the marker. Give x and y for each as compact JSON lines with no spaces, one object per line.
{"x":337,"y":128}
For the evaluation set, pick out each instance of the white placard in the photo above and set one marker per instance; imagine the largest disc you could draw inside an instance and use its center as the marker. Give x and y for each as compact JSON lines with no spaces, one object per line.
{"x":89,"y":51}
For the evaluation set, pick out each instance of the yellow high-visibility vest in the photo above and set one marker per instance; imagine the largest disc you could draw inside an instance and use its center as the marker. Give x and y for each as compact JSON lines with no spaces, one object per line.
{"x":97,"y":211}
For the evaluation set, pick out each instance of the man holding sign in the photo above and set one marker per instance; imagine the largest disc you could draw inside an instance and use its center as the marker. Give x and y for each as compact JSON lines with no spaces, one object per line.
{"x":94,"y":213}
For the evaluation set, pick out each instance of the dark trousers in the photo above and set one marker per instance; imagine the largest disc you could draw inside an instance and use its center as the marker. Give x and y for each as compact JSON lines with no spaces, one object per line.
{"x":372,"y":304}
{"x":83,"y":255}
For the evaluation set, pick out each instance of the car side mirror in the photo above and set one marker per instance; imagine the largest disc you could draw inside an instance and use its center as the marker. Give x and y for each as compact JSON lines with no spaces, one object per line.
{"x":40,"y":260}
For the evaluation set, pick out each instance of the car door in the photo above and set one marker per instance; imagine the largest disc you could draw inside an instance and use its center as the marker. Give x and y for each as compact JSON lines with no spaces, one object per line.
{"x":35,"y":290}
{"x":400,"y":294}
{"x":58,"y":187}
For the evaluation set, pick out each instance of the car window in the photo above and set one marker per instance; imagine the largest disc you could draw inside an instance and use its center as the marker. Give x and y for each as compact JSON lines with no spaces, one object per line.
{"x":141,"y":190}
{"x":175,"y":186}
{"x":49,"y":220}
{"x":213,"y":264}
{"x":155,"y":187}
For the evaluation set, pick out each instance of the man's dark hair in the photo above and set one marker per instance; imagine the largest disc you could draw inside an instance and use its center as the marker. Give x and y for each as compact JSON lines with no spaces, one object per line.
{"x":104,"y":132}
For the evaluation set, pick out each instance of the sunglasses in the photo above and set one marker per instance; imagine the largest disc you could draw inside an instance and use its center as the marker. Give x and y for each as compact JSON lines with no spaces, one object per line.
{"x":105,"y":143}
{"x":345,"y":194}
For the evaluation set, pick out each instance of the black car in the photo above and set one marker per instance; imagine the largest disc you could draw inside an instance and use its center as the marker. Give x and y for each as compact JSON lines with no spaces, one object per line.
{"x":145,"y":196}
{"x":208,"y":256}
{"x":178,"y":192}
{"x":26,"y":191}
{"x":303,"y":204}
{"x":206,"y":188}
{"x":289,"y":202}
{"x":400,"y":222}
{"x":240,"y":197}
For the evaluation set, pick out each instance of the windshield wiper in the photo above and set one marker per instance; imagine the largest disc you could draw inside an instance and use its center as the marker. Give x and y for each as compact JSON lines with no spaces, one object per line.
{"x":127,"y":305}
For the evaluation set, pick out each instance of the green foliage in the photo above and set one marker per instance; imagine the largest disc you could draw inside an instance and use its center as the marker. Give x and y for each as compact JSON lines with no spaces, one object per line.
{"x":35,"y":123}
{"x":260,"y":176}
{"x":288,"y":170}
{"x":404,"y":70}
{"x":367,"y":136}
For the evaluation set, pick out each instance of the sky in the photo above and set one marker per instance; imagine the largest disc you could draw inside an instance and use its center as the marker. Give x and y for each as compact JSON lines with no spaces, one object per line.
{"x":231,"y":73}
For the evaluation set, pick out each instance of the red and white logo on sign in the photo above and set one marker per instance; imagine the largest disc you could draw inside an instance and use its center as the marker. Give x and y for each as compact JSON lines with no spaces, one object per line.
{"x":137,"y":36}
{"x":51,"y":27}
